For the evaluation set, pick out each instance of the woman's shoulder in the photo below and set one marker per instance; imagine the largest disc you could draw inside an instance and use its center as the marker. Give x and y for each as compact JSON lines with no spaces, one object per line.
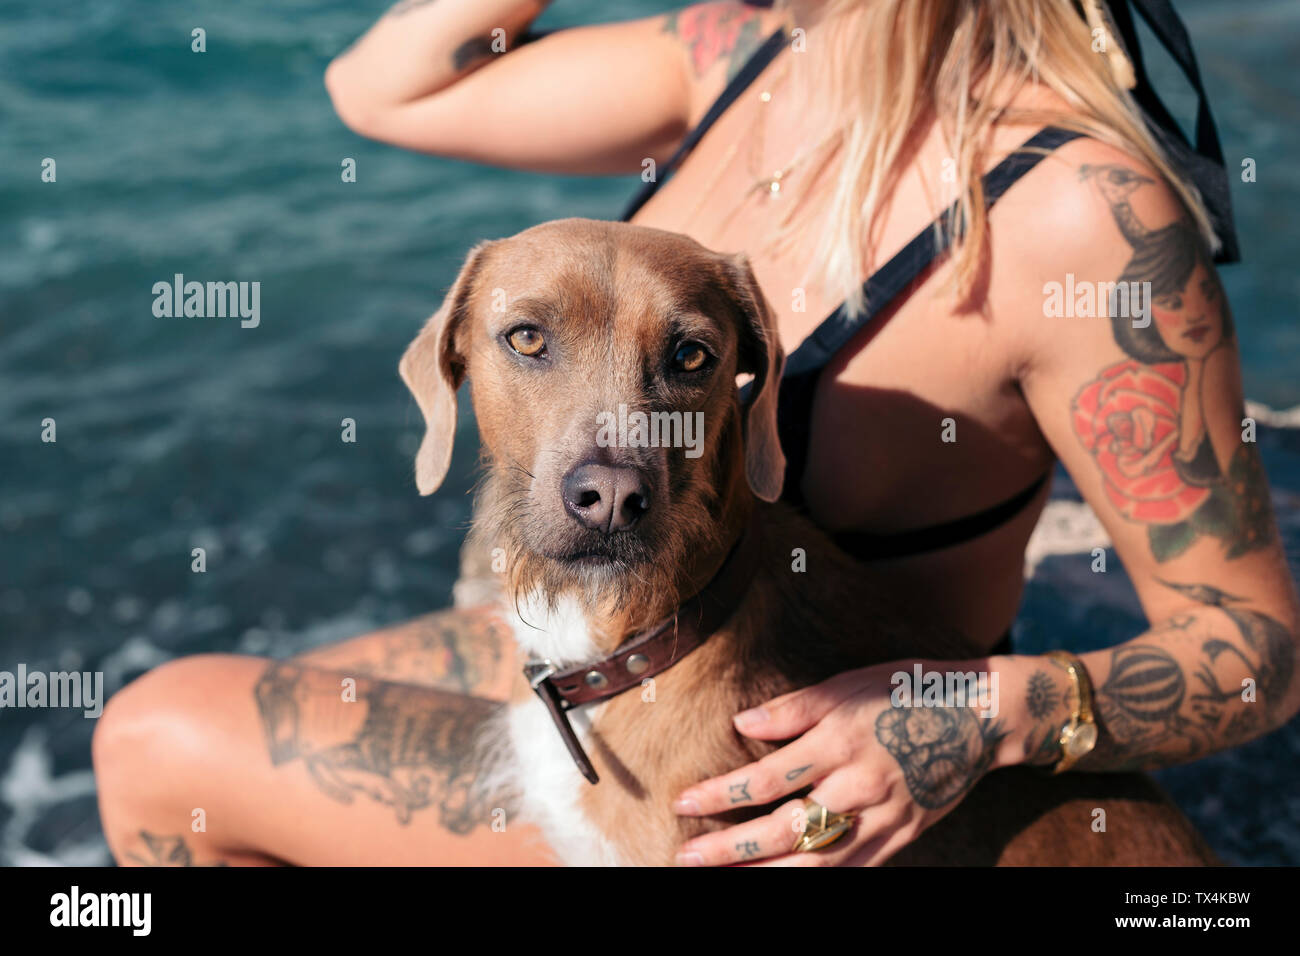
{"x":1084,"y":200}
{"x":1092,"y":221}
{"x":716,"y":39}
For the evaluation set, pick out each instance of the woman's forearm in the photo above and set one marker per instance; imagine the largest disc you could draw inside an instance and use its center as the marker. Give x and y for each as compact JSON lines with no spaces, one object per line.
{"x":422,"y":46}
{"x":1212,"y":677}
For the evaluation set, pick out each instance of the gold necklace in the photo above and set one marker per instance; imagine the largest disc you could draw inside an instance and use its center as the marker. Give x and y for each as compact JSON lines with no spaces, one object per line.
{"x":771,"y":184}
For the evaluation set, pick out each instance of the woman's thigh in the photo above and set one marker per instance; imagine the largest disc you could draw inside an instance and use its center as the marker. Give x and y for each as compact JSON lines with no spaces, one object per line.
{"x":231,"y":759}
{"x":467,"y":650}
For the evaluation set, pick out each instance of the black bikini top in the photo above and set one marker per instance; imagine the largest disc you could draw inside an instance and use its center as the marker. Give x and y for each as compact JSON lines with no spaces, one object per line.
{"x":804,"y":366}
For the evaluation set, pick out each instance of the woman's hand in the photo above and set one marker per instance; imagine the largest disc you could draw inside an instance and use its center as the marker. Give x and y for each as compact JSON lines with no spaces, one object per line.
{"x":899,"y":768}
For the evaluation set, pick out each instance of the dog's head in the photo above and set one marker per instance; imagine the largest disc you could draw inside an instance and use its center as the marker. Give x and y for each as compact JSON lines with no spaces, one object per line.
{"x":602,"y":361}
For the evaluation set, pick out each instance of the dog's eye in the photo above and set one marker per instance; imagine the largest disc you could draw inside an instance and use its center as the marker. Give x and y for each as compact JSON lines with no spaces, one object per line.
{"x":690,"y":357}
{"x":527,"y":340}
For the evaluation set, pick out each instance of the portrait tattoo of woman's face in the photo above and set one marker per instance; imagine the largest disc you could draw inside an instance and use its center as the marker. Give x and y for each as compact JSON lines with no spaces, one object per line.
{"x":1144,"y":419}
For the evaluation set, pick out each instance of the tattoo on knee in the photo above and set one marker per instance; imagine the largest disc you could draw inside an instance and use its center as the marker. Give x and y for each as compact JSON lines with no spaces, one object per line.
{"x":167,"y":851}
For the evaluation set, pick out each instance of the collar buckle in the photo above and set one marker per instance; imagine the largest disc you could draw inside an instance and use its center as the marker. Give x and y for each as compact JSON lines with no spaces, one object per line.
{"x":537,"y":671}
{"x":539,"y":674}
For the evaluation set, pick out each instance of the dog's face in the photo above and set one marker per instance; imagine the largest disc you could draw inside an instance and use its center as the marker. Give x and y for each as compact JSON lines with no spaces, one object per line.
{"x":602,"y":361}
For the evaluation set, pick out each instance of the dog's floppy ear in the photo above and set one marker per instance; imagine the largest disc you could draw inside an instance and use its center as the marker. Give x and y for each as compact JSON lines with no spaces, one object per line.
{"x":760,"y":354}
{"x":433,"y":369}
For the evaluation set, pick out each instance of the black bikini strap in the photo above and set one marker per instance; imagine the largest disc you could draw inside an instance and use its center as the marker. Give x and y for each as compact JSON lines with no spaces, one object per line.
{"x":871,"y":547}
{"x":755,"y":65}
{"x":914,"y":258}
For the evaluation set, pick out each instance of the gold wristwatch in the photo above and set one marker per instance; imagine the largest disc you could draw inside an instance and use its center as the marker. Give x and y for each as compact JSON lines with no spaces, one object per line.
{"x":1079,"y":736}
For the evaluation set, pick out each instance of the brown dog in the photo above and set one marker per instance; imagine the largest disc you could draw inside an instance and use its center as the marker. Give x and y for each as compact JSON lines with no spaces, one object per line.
{"x":574,"y":324}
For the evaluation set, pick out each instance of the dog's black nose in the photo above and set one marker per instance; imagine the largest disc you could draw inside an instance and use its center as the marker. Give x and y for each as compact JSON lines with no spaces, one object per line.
{"x":606,"y":498}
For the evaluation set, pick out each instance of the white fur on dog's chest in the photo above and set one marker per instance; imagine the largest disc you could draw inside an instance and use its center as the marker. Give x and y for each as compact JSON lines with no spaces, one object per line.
{"x":544,"y":773}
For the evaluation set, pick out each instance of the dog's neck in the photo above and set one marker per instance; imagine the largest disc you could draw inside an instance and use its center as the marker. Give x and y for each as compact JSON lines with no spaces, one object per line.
{"x":646,"y":653}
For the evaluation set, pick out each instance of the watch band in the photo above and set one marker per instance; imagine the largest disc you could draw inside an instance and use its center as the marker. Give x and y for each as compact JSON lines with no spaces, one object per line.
{"x":1079,"y":736}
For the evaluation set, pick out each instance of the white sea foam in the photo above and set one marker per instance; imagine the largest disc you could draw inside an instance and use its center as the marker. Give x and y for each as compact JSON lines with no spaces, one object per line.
{"x":28,"y":787}
{"x":1272,"y":417}
{"x":1066,"y":527}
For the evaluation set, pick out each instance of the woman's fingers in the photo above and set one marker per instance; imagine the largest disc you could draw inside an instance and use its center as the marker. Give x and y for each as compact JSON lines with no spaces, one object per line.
{"x":792,"y":714}
{"x":774,"y":834}
{"x":781,"y":772}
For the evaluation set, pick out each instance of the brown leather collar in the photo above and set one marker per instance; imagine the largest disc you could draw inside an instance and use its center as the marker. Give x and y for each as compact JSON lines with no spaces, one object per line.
{"x":647,"y":652}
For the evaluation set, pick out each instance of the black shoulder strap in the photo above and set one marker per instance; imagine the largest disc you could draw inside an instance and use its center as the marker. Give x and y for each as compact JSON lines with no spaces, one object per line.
{"x":874,"y":547}
{"x":755,"y":65}
{"x":914,"y":258}
{"x":1203,"y":163}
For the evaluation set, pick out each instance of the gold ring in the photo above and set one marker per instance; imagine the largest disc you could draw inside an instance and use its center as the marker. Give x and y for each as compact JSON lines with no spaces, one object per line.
{"x":821,"y":827}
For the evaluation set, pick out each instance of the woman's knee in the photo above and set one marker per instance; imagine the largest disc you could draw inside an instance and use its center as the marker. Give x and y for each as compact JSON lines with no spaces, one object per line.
{"x":149,"y":744}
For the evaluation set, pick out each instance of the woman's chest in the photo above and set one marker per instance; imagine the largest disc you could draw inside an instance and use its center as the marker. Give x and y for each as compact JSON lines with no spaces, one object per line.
{"x":913,"y":420}
{"x":916,"y":418}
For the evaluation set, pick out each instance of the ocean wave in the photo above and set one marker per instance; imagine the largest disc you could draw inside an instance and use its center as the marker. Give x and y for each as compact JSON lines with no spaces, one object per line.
{"x":29,"y":788}
{"x":1273,"y":418}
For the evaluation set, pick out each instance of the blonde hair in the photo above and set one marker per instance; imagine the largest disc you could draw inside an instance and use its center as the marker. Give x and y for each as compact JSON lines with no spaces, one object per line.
{"x":899,"y":64}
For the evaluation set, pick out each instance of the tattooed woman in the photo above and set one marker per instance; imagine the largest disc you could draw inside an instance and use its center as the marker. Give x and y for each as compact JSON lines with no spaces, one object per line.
{"x":824,"y":138}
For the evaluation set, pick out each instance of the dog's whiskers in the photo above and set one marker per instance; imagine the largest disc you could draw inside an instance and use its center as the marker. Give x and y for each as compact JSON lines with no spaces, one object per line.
{"x":515,"y":464}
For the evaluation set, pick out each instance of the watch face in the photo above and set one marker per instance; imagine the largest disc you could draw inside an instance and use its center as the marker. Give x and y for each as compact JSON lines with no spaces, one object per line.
{"x":1081,"y":740}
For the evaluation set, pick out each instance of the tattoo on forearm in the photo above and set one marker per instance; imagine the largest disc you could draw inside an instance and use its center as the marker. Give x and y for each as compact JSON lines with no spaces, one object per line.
{"x":471,"y":53}
{"x":1153,"y":712}
{"x":943,"y":751}
{"x":167,"y":851}
{"x":1043,"y":746}
{"x":1144,"y":419}
{"x":1041,"y":696}
{"x":1046,"y":702}
{"x":716,"y":31}
{"x":1268,"y":652}
{"x":405,"y":747}
{"x":1140,"y":704}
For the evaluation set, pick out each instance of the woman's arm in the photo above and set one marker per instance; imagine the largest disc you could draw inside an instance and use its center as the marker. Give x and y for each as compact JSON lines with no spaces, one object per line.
{"x":453,"y":77}
{"x":1120,"y":397}
{"x":1211,"y":677}
{"x":1192,"y":524}
{"x":419,"y":47}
